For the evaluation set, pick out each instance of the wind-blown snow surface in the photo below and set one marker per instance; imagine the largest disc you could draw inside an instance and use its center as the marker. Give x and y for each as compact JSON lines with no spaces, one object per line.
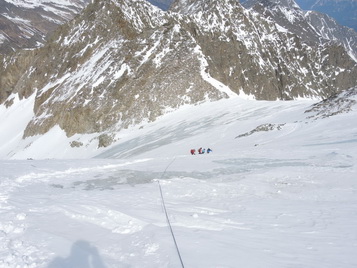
{"x":282,"y":198}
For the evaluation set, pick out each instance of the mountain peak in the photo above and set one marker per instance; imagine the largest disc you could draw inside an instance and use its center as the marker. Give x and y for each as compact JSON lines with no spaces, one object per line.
{"x":194,"y":6}
{"x":291,"y":4}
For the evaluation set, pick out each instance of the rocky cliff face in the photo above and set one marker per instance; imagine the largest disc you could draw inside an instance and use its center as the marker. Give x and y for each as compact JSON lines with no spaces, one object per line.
{"x":251,"y":53}
{"x":25,"y":24}
{"x":328,"y":29}
{"x":120,"y":63}
{"x":124,"y":62}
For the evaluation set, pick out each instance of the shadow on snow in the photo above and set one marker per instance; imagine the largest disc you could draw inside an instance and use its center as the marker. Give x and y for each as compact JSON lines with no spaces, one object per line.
{"x":82,"y":255}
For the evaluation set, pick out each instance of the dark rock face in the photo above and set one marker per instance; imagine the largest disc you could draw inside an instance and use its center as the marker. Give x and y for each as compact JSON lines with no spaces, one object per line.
{"x":124,"y":62}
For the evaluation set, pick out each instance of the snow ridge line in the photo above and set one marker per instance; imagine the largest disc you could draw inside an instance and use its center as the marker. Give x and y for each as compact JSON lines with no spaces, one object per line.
{"x":166,"y":214}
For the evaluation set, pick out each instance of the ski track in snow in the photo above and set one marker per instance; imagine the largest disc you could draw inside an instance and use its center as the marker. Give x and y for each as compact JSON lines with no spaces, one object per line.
{"x":278,"y":198}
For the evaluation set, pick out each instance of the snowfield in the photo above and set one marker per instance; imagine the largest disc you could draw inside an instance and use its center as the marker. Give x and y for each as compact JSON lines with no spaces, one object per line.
{"x":278,"y":190}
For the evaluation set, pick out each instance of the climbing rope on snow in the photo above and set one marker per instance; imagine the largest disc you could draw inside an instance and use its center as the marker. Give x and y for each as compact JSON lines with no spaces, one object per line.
{"x":166,"y":214}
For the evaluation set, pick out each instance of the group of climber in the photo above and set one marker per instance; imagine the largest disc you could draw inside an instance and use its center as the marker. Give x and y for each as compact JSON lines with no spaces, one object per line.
{"x":200,"y":151}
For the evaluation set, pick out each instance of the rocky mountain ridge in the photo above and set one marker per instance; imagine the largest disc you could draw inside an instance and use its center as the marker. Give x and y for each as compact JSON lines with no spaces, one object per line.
{"x":343,"y":11}
{"x":125,"y":62}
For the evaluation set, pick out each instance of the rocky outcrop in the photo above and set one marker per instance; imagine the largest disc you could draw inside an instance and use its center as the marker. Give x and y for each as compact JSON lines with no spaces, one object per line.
{"x":262,"y":128}
{"x":337,"y":104}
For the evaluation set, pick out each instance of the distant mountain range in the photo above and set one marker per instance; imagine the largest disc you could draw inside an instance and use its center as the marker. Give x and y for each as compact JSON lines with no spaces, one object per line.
{"x":26,"y":23}
{"x":332,"y":22}
{"x":343,"y":11}
{"x":310,"y":26}
{"x":163,"y":4}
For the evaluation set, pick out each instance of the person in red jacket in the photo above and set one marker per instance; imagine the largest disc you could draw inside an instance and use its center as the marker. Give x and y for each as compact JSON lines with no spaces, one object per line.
{"x":193,"y":151}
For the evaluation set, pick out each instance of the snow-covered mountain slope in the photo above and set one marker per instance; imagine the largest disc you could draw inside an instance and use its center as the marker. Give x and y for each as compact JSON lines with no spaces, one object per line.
{"x":283,"y":197}
{"x":178,"y":127}
{"x":122,"y":63}
{"x":25,"y":24}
